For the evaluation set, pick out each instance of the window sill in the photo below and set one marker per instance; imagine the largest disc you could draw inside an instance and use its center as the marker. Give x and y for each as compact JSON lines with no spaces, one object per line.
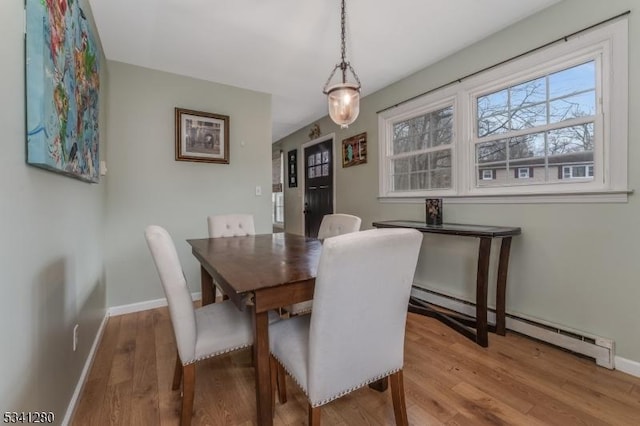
{"x":555,"y":198}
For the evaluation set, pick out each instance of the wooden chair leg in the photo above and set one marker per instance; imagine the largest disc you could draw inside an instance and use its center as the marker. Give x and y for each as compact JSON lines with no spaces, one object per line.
{"x":273,"y":368}
{"x":399,"y":403}
{"x":314,"y":416}
{"x":282,"y":383}
{"x":177,"y":374}
{"x":188,"y":389}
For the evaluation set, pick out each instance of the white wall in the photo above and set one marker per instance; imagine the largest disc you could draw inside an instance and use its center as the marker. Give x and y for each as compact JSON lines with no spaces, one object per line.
{"x":147,"y":186}
{"x":575,"y":265}
{"x":51,"y":252}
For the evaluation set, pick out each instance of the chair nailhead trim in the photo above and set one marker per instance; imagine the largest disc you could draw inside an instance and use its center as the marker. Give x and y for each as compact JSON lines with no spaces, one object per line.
{"x":237,"y":348}
{"x":340,"y":394}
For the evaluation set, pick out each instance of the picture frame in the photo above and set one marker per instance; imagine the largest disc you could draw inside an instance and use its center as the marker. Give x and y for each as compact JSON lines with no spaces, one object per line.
{"x":201,"y":136}
{"x":433,"y":211}
{"x":292,"y":167}
{"x":354,"y":150}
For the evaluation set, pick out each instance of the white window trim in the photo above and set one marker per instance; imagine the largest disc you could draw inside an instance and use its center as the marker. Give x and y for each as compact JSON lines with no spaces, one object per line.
{"x":524,"y":175}
{"x":609,"y":44}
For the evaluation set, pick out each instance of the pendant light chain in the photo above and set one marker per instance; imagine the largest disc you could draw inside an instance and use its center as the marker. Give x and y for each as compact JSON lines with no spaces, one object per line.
{"x":343,"y":65}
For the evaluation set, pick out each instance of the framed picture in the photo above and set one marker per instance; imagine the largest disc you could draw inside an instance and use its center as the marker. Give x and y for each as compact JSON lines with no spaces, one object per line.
{"x":292,"y":167}
{"x":433,"y":210}
{"x":62,"y":90}
{"x":202,"y":136}
{"x":354,"y":150}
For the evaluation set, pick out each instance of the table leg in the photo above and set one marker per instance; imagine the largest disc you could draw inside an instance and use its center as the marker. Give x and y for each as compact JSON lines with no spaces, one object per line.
{"x":501,"y":288}
{"x":207,"y":288}
{"x":263,"y":372}
{"x":484,"y":252}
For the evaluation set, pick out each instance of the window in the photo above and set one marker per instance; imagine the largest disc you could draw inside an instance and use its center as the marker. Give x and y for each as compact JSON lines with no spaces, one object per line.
{"x":523,"y":173}
{"x":550,"y":123}
{"x":277,"y":195}
{"x":421,"y":151}
{"x":577,"y":172}
{"x":487,"y":174}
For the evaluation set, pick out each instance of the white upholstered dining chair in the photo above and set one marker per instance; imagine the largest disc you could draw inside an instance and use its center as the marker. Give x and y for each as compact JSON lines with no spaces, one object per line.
{"x":342,"y":345}
{"x":336,"y":224}
{"x":332,"y":225}
{"x":200,"y":333}
{"x":231,"y":225}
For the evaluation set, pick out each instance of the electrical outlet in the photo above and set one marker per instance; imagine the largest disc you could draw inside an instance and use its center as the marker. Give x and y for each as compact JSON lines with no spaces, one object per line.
{"x":258,"y":190}
{"x":75,"y":337}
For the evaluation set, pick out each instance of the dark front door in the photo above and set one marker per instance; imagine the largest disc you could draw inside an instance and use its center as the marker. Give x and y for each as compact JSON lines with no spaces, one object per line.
{"x":318,"y":185}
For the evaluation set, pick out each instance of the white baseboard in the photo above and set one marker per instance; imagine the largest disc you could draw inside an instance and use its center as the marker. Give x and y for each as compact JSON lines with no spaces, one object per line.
{"x":601,"y":349}
{"x":628,"y":366}
{"x":111,"y":312}
{"x":87,"y":366}
{"x":144,"y":306}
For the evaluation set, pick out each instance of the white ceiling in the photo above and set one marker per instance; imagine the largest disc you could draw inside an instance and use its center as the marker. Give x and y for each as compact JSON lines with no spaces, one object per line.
{"x":288,"y":47}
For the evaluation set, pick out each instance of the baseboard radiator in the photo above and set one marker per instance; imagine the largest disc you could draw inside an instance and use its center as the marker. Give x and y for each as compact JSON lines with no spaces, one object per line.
{"x":601,"y":349}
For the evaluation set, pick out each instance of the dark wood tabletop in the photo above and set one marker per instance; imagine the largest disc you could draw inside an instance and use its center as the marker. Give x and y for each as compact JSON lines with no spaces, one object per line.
{"x":242,"y":265}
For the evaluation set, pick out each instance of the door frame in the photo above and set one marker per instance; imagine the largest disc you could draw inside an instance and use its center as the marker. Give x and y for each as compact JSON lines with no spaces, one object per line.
{"x":302,"y":176}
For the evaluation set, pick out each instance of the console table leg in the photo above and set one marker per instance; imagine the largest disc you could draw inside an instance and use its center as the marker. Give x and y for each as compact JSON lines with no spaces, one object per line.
{"x":501,"y":289}
{"x":484,"y":253}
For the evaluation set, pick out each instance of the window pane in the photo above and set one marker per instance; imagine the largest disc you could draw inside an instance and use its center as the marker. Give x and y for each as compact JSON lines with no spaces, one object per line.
{"x":572,"y":80}
{"x":582,"y":105}
{"x":426,"y":131}
{"x":493,"y":113}
{"x":527,"y":147}
{"x":529,"y":93}
{"x":525,"y":118}
{"x":491,"y":152}
{"x":441,"y":179}
{"x":571,"y":95}
{"x":419,"y":180}
{"x":423,"y":171}
{"x":497,"y":175}
{"x":574,"y":139}
{"x":400,"y":182}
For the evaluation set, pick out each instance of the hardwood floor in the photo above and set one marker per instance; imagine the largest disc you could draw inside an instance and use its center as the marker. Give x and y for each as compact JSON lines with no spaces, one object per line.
{"x":448,"y":381}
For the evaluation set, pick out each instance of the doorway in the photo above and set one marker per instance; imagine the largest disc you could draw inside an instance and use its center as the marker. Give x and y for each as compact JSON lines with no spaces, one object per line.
{"x":318,"y":163}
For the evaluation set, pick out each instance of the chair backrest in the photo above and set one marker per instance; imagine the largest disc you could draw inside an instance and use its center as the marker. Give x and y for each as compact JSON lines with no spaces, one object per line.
{"x":231,"y":225}
{"x":338,"y":224}
{"x":175,"y":288}
{"x":359,"y":309}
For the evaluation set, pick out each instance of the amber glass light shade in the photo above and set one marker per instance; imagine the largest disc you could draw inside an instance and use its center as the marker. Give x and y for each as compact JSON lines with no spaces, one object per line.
{"x":344,"y":103}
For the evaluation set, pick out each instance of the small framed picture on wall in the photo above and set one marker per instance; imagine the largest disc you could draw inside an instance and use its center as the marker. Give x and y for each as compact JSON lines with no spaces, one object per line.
{"x":292,"y":168}
{"x":354,"y":150}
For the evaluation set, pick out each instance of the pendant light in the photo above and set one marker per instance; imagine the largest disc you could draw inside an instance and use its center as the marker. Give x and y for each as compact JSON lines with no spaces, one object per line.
{"x":343,"y":98}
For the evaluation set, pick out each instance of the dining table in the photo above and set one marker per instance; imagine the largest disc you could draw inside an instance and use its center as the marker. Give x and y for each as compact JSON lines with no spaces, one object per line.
{"x":260,"y":273}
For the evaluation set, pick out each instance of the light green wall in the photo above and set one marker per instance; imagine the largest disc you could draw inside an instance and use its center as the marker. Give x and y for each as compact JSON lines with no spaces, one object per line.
{"x":575,"y":265}
{"x":147,"y":186}
{"x":51,"y":252}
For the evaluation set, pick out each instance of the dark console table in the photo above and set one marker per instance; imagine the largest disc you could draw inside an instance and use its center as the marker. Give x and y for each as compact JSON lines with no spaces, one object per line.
{"x":476,"y":328}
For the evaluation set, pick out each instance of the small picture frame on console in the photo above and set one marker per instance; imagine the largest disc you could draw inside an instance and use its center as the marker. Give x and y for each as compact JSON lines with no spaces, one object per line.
{"x":433,"y":210}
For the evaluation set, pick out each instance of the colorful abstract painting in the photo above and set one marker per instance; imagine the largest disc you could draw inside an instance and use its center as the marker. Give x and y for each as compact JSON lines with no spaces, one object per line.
{"x":63,"y":84}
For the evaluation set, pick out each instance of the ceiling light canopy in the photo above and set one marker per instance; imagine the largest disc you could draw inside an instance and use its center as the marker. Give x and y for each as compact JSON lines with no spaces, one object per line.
{"x":343,"y":98}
